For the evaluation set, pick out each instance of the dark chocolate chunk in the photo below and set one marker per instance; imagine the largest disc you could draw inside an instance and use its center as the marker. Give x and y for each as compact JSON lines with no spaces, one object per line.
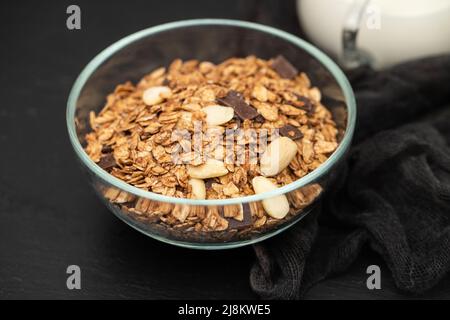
{"x":284,"y":68}
{"x":259,"y":119}
{"x":246,"y":222}
{"x":308,"y":106}
{"x":291,"y":132}
{"x":106,"y":149}
{"x":235,"y":100}
{"x":107,"y":162}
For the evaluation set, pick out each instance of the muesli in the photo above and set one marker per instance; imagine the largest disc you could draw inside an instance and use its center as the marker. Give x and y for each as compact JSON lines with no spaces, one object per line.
{"x":200,"y":130}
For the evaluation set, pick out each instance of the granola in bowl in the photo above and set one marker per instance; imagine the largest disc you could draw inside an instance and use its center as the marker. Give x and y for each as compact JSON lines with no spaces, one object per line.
{"x":199,"y":130}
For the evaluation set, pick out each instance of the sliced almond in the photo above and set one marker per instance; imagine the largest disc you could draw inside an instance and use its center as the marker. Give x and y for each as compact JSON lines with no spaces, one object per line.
{"x":181,"y":212}
{"x":210,"y":169}
{"x":155,"y":95}
{"x":277,"y":156}
{"x":217,"y":115}
{"x":276,"y":207}
{"x":198,"y":188}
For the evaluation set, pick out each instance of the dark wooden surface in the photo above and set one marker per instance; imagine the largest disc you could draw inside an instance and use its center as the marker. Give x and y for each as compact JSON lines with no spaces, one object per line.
{"x":50,"y":218}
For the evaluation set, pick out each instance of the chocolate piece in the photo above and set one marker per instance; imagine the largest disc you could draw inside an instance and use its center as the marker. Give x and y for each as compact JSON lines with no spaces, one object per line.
{"x":291,"y":132}
{"x":308,"y":106}
{"x":259,"y":119}
{"x":107,"y":162}
{"x":246,"y":222}
{"x":284,"y":68}
{"x":106,"y":149}
{"x":235,"y":100}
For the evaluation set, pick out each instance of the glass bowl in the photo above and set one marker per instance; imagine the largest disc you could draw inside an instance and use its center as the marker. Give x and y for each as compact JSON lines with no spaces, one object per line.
{"x":206,"y":40}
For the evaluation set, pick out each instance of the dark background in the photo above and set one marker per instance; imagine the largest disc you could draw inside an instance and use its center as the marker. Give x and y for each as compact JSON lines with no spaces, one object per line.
{"x":49,"y":216}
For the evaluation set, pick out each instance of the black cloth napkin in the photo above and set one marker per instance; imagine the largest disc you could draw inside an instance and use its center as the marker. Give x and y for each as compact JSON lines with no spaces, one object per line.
{"x":393,"y":194}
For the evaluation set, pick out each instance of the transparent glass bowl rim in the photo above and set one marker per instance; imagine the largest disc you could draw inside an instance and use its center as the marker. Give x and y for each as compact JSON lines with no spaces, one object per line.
{"x":303,"y":45}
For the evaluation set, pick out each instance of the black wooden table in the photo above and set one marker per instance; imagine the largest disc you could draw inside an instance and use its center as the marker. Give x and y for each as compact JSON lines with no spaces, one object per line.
{"x":50,"y":218}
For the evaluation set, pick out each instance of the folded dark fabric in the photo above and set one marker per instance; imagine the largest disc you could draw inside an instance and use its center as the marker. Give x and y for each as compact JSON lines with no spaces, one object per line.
{"x":393,"y":193}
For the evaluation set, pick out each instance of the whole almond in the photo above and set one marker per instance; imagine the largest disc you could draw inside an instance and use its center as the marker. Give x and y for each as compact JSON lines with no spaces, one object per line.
{"x":276,"y":207}
{"x":155,"y":95}
{"x":198,"y":188}
{"x":278,"y":155}
{"x":210,"y":169}
{"x":217,"y":115}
